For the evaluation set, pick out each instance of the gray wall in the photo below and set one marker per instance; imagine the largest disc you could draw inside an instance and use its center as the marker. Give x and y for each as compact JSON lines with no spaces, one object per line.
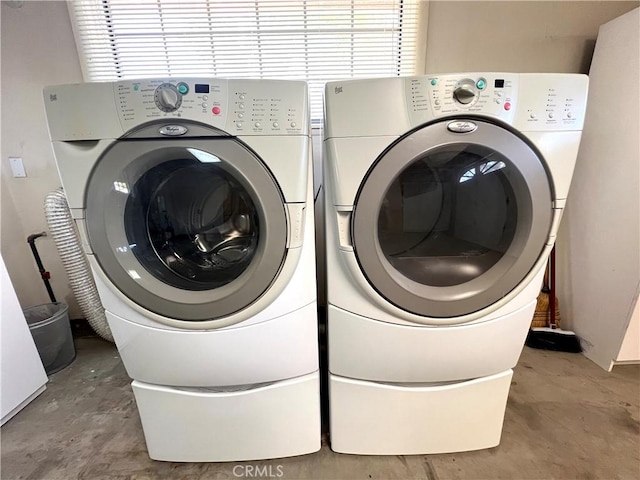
{"x":534,"y":36}
{"x":38,"y":49}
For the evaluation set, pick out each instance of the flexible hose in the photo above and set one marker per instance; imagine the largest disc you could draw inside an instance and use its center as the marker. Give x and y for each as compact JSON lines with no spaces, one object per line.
{"x":65,"y":235}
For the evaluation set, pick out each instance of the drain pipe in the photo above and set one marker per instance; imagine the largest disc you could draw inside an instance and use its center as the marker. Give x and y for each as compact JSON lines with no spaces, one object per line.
{"x":63,"y":230}
{"x":46,"y":276}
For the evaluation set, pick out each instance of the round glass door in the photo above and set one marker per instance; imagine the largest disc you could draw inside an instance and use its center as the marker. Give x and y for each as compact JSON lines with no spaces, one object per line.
{"x":446,"y":224}
{"x":191,"y":229}
{"x":193,"y":225}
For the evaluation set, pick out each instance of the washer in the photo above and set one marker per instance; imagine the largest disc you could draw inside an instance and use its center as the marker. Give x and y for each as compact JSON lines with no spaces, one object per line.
{"x":194,"y":203}
{"x":443,"y":198}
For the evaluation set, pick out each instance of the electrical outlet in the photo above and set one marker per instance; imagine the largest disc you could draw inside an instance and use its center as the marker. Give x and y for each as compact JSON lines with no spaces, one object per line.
{"x":17,"y":167}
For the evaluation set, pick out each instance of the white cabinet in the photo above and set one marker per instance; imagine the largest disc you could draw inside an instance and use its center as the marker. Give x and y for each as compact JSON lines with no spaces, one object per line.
{"x":22,"y":376}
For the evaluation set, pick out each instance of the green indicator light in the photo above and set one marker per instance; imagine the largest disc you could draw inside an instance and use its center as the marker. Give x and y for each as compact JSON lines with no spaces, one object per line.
{"x":481,"y":84}
{"x":136,"y":87}
{"x":183,"y":88}
{"x":434,"y":82}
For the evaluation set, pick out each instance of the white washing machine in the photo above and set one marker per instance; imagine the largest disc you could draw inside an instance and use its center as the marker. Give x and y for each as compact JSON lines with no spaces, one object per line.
{"x":193,"y":198}
{"x":443,"y":198}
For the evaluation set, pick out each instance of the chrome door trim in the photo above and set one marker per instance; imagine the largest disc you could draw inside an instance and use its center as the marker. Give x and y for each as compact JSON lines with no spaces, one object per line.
{"x":535,"y":210}
{"x":105,"y":225}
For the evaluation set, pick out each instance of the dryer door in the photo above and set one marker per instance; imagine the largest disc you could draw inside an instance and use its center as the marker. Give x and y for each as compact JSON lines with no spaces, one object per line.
{"x":452,"y":217}
{"x":191,"y":229}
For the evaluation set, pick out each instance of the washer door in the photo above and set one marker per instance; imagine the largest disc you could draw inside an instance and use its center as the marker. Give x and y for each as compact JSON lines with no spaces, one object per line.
{"x":446,"y":223}
{"x":191,"y":229}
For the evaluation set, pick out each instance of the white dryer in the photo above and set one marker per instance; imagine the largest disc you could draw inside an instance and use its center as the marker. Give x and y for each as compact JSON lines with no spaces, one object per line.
{"x":193,"y":198}
{"x":443,"y":198}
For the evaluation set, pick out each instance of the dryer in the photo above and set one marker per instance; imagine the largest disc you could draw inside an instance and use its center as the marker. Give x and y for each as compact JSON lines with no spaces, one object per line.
{"x":443,"y":198}
{"x":194,"y":203}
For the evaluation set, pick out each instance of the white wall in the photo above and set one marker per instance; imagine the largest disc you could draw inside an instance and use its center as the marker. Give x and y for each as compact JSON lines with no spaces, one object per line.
{"x":38,"y":49}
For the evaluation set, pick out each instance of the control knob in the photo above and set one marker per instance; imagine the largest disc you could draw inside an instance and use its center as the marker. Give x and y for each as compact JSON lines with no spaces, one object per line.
{"x":465,"y":92}
{"x":167,"y":97}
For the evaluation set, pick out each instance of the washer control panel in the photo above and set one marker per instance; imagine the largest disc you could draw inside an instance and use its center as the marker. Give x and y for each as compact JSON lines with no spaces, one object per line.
{"x":249,"y":107}
{"x":528,"y":101}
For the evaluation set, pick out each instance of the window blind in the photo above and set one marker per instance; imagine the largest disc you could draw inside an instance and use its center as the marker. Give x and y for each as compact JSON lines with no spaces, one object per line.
{"x":312,"y":40}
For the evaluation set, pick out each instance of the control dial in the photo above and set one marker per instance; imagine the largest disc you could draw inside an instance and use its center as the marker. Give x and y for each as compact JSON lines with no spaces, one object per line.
{"x":465,"y":91}
{"x":167,"y":97}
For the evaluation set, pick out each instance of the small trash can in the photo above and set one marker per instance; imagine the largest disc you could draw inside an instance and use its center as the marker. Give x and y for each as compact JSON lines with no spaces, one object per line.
{"x":51,"y":332}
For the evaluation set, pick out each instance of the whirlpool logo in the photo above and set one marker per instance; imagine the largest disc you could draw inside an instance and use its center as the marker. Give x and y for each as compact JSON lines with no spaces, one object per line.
{"x":173,"y":130}
{"x":461,"y":127}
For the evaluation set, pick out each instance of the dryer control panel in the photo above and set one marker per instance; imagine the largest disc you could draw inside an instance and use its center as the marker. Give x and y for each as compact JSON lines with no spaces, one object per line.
{"x":453,"y":94}
{"x":527,"y":101}
{"x":393,"y":106}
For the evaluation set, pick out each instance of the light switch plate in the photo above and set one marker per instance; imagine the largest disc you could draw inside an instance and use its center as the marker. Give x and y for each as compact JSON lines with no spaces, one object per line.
{"x":17,"y":167}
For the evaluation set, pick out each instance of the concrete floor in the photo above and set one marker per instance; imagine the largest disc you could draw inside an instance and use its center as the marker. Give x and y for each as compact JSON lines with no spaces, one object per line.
{"x":565,"y":419}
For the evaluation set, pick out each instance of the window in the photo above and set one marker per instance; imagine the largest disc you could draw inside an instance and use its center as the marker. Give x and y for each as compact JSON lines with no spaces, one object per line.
{"x":312,"y":40}
{"x":483,"y":168}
